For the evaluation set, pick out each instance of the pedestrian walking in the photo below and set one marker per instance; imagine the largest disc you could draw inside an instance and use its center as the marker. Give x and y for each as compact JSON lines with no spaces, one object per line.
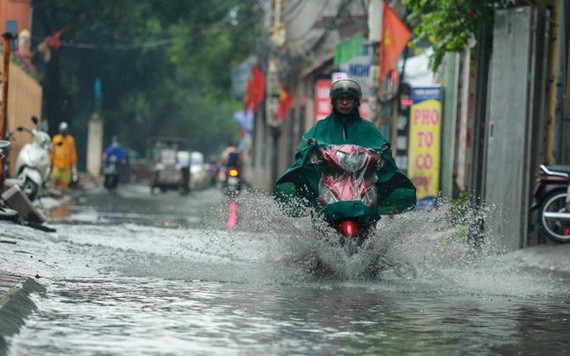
{"x":63,"y":158}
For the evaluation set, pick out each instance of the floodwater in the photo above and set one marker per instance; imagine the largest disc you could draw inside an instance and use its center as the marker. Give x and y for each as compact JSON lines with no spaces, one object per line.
{"x":142,"y":274}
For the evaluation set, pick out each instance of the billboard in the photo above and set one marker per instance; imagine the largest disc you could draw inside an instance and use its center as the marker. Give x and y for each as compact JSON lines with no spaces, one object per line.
{"x":425,"y":141}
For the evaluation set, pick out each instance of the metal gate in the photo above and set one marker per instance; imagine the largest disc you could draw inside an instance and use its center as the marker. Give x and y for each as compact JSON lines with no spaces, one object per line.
{"x":509,"y":130}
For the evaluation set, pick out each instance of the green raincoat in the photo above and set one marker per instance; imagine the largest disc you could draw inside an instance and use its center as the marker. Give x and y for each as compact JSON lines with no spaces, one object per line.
{"x":396,"y":193}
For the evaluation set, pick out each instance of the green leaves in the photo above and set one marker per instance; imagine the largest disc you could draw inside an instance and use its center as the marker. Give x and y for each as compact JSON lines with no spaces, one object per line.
{"x":448,"y":24}
{"x":165,"y":66}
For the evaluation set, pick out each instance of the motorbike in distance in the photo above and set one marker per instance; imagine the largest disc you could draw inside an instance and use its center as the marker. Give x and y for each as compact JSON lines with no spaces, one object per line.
{"x":231,"y":186}
{"x":33,"y":165}
{"x":114,"y":158}
{"x":552,"y":199}
{"x":111,"y":172}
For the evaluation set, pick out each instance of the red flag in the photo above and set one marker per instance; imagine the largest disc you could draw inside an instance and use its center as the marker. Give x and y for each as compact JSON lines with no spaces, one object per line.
{"x":395,"y":37}
{"x":51,"y":41}
{"x":285,"y":101}
{"x":255,"y":90}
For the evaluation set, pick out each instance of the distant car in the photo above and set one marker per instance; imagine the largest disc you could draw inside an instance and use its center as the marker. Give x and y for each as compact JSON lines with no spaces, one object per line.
{"x":165,"y":173}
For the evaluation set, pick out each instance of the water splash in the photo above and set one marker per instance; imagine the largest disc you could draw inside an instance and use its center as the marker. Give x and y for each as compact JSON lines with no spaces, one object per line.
{"x":446,"y":248}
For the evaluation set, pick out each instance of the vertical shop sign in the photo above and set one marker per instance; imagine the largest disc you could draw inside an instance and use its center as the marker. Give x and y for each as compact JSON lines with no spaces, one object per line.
{"x":323,"y":106}
{"x":425,"y":143}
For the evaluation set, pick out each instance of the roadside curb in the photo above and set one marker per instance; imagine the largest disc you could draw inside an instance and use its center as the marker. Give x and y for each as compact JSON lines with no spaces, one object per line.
{"x":15,"y":305}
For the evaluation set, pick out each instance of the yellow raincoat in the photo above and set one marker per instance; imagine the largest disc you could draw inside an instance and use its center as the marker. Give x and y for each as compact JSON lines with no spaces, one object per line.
{"x":63,"y":152}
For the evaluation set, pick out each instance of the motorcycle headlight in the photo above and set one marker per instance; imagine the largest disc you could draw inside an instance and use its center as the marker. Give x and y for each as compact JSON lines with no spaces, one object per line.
{"x":351,"y":162}
{"x":233,"y":172}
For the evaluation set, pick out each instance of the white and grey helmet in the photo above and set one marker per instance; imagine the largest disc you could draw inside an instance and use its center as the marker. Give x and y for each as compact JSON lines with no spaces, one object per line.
{"x":346,"y":86}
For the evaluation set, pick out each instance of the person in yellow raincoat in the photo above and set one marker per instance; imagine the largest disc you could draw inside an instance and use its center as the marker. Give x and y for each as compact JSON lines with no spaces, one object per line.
{"x":63,"y":158}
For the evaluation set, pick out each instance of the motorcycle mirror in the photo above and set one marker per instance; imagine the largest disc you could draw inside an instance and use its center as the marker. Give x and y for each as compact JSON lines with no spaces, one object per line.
{"x":20,"y":128}
{"x":35,"y":120}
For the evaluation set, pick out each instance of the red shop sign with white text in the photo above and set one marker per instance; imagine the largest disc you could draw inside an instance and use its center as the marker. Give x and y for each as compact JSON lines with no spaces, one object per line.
{"x":323,"y":106}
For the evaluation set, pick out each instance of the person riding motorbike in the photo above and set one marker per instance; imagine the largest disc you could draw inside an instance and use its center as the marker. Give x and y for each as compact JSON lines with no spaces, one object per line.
{"x":114,"y":158}
{"x":231,"y":157}
{"x":297,"y":190}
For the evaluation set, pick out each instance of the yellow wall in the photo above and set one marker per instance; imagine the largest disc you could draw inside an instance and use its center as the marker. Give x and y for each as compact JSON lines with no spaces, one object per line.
{"x":24,"y":101}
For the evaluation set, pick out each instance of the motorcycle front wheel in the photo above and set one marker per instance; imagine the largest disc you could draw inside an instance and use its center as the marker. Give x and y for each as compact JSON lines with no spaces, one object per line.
{"x":554,"y":218}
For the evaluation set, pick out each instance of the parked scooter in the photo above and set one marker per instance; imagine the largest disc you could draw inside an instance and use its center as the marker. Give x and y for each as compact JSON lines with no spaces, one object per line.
{"x":33,"y":166}
{"x":552,"y":199}
{"x":5,"y":212}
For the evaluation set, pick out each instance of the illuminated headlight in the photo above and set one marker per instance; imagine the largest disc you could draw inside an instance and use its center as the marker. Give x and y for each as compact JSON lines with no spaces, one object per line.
{"x":233,"y":173}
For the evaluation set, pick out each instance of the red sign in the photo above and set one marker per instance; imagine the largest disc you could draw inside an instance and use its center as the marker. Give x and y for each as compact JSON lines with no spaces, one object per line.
{"x":323,"y":106}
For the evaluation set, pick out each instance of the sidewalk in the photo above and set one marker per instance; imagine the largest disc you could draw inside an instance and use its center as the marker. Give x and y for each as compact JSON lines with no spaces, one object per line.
{"x":550,"y":257}
{"x":15,"y":289}
{"x":15,"y":304}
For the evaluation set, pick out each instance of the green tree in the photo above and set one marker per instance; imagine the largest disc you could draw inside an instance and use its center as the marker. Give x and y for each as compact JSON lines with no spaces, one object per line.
{"x":165,"y":66}
{"x":448,"y":25}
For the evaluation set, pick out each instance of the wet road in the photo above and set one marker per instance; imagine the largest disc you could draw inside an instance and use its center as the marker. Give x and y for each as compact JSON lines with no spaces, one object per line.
{"x":146,"y":274}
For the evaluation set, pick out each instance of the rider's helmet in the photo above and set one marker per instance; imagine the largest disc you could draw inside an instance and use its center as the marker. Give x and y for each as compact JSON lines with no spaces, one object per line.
{"x":346,"y":86}
{"x":63,"y":127}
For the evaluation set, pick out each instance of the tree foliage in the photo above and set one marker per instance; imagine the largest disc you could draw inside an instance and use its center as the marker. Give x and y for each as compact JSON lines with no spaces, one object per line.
{"x":448,"y":25}
{"x":164,"y":66}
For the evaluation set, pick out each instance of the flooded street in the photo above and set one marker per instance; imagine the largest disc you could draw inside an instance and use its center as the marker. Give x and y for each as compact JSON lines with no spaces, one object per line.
{"x":142,"y":274}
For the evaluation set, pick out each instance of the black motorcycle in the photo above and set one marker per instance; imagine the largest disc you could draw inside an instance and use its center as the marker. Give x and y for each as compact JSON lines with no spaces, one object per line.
{"x":552,"y":199}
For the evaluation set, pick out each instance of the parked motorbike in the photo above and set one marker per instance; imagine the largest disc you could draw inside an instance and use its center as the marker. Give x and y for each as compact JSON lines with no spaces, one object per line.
{"x":5,"y":212}
{"x":33,"y":166}
{"x":347,"y":191}
{"x":232,"y":184}
{"x":552,"y":199}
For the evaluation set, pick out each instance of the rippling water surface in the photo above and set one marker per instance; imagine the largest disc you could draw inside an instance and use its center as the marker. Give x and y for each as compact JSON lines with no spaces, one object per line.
{"x":161,"y":275}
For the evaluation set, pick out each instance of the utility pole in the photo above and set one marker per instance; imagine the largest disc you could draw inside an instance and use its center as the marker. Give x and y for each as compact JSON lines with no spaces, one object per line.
{"x":375,"y":17}
{"x":277,"y":35}
{"x":95,"y":134}
{"x":6,"y":39}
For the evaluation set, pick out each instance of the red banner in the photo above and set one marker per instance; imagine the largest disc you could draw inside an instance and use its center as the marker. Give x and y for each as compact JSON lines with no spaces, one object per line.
{"x":285,"y":101}
{"x":395,"y":37}
{"x":255,"y":90}
{"x":323,"y":106}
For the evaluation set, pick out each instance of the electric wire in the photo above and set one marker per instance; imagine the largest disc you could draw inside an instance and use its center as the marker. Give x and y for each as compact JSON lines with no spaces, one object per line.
{"x":88,"y":45}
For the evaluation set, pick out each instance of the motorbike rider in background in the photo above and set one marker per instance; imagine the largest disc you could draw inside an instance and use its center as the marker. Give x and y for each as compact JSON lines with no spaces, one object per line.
{"x":63,"y":158}
{"x":183,"y":158}
{"x":231,"y":158}
{"x":396,"y":192}
{"x":114,"y":155}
